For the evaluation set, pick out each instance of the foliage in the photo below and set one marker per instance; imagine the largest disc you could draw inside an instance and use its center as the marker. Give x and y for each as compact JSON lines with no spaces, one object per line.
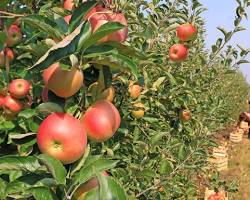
{"x":156,"y":157}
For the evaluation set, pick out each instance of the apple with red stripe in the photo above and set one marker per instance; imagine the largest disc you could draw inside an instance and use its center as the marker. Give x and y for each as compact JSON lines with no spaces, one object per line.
{"x":186,"y":32}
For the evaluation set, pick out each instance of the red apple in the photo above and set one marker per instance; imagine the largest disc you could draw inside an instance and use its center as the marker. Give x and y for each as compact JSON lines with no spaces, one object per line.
{"x":100,"y":15}
{"x":10,"y":54}
{"x":97,"y":10}
{"x":68,"y":4}
{"x":135,"y":91}
{"x":47,"y":73}
{"x":86,"y":187}
{"x":101,"y":121}
{"x":120,"y":35}
{"x":185,"y":115}
{"x":178,"y":53}
{"x":186,"y":32}
{"x":62,"y":82}
{"x":19,"y":88}
{"x":12,"y":104}
{"x":14,"y":35}
{"x":63,"y":137}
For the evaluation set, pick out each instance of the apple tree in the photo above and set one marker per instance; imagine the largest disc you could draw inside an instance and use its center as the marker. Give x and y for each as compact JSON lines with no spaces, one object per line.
{"x":134,"y":77}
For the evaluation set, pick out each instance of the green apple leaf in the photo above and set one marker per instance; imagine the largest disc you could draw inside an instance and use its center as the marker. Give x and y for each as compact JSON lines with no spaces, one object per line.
{"x":27,"y":164}
{"x":87,"y":171}
{"x":55,"y":167}
{"x":79,"y":13}
{"x":49,"y":107}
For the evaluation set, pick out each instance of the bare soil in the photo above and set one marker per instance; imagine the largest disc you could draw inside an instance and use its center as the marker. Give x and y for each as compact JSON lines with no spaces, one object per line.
{"x":238,"y":166}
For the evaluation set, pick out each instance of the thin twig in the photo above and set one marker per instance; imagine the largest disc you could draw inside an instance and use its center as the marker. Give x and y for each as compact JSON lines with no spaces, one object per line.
{"x":174,"y":171}
{"x":12,"y":14}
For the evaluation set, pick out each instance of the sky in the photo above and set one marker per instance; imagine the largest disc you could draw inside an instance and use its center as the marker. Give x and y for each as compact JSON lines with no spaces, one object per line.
{"x":221,"y":13}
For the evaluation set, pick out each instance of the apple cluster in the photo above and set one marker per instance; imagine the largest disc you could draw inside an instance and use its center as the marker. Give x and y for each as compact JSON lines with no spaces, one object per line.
{"x":185,"y":33}
{"x":14,"y":36}
{"x":99,"y":16}
{"x":11,"y":100}
{"x":101,"y":120}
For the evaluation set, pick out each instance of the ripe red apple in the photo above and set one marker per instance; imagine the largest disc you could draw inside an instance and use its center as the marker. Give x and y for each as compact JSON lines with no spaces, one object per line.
{"x":10,"y":54}
{"x":62,"y":82}
{"x":135,"y":91}
{"x":178,"y":53}
{"x":139,"y":110}
{"x":12,"y":104}
{"x":63,"y":137}
{"x":14,"y":35}
{"x":186,"y":32}
{"x":81,"y":191}
{"x":47,"y":73}
{"x":68,"y":4}
{"x":185,"y":115}
{"x":101,"y":120}
{"x":120,"y":35}
{"x":100,"y":15}
{"x":97,"y":10}
{"x":19,"y":88}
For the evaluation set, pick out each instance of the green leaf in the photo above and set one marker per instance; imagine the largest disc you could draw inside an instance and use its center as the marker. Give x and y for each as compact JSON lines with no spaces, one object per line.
{"x":43,"y":24}
{"x":6,"y":125}
{"x":110,"y":189}
{"x":223,"y":30}
{"x":147,"y":173}
{"x":42,"y":193}
{"x":93,"y":194}
{"x":118,"y":62}
{"x":151,"y":119}
{"x":49,"y":107}
{"x":87,"y":171}
{"x":27,"y":164}
{"x":28,"y":113}
{"x":95,"y":51}
{"x":2,"y":188}
{"x":64,"y":48}
{"x":158,"y":82}
{"x":182,"y":153}
{"x":55,"y":167}
{"x":103,"y":31}
{"x":22,"y":183}
{"x":79,"y":13}
{"x":242,"y":62}
{"x":166,"y":167}
{"x":21,"y":136}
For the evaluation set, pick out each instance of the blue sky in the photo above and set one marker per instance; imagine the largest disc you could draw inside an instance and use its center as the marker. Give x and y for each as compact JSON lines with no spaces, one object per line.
{"x":221,"y":13}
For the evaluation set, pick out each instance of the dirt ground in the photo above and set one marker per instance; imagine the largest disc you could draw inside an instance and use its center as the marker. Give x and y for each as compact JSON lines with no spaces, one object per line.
{"x":238,"y":166}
